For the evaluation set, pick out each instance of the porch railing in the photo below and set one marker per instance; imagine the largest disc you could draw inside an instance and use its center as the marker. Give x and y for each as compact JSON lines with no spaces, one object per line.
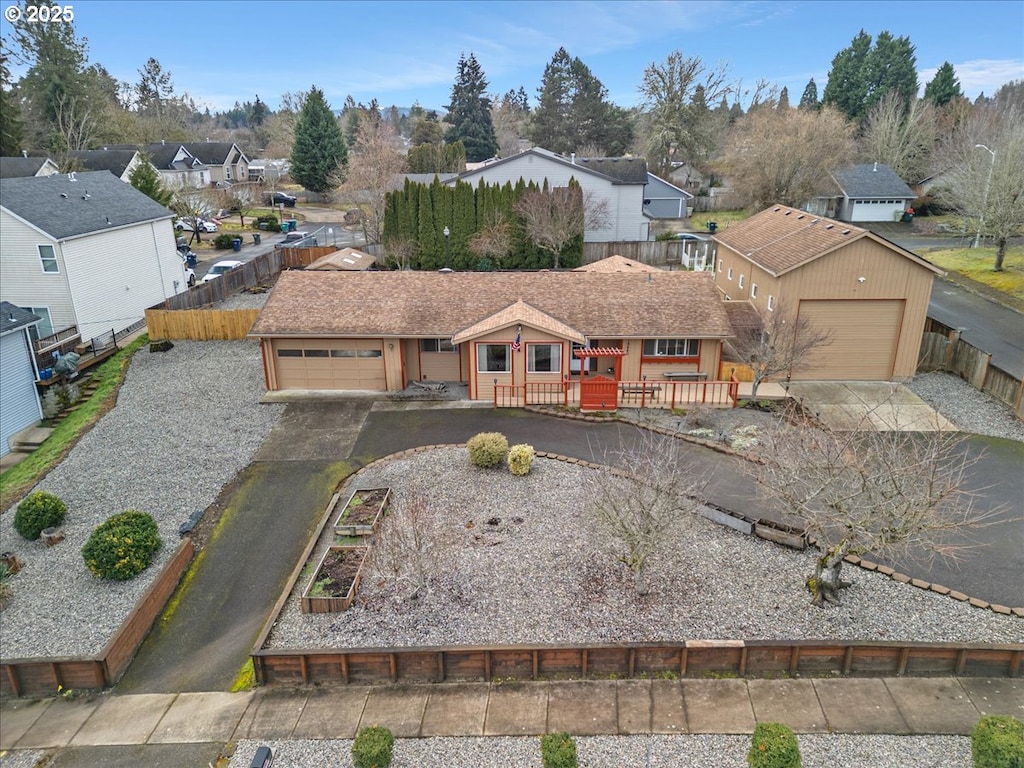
{"x":531,"y":393}
{"x":648,"y":393}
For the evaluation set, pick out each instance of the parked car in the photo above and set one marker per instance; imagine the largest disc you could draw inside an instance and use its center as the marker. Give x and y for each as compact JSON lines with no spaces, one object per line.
{"x":281,"y":198}
{"x":691,"y":237}
{"x":297,"y":239}
{"x":185,"y":225}
{"x":219,"y":269}
{"x":190,"y":274}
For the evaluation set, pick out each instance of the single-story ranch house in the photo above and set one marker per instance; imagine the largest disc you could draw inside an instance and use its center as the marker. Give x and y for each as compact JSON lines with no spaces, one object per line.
{"x":378,"y":331}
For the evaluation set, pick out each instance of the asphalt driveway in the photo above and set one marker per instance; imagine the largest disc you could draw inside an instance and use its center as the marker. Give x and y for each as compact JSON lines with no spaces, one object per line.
{"x":203,"y":639}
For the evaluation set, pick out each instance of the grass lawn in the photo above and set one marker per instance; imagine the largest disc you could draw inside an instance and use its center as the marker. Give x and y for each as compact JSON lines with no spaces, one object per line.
{"x":17,"y":480}
{"x":699,"y":221}
{"x":976,"y":264}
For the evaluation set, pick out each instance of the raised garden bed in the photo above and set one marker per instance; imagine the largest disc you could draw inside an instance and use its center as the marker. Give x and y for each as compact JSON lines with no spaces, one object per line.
{"x":362,"y":512}
{"x":334,"y":583}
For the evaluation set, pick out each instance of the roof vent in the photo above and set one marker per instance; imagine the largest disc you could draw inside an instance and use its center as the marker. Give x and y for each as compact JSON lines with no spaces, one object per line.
{"x":846,"y":231}
{"x":875,"y":169}
{"x":86,"y":196}
{"x":71,"y":176}
{"x":24,"y":153}
{"x":64,"y":195}
{"x":829,"y":226}
{"x":800,"y":216}
{"x":786,"y":213}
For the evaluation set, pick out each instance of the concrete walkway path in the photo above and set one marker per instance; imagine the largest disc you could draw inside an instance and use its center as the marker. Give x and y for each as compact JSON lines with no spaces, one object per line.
{"x":864,"y":405}
{"x":902,"y":706}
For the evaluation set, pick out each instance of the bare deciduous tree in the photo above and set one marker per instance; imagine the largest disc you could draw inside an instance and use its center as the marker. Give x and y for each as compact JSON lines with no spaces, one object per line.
{"x":901,"y":136}
{"x":400,"y":252}
{"x":773,"y":342}
{"x":554,"y":217}
{"x":241,"y":199}
{"x":896,"y":494}
{"x":193,"y":204}
{"x":649,"y":497}
{"x":493,"y":240}
{"x":74,"y":124}
{"x":410,"y":547}
{"x":374,"y":166}
{"x":786,"y":157}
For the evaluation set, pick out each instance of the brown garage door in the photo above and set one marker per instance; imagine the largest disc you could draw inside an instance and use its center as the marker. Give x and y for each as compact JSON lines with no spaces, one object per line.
{"x":330,"y":364}
{"x":865,"y":334}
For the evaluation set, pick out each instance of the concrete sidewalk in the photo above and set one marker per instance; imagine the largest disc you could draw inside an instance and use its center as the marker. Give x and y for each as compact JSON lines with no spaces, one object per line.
{"x":902,"y":706}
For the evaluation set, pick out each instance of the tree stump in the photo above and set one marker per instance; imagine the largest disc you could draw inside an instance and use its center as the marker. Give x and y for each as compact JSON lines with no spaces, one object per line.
{"x":52,"y":536}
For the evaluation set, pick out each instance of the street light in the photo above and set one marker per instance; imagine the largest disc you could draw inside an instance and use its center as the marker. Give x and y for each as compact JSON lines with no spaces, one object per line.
{"x":447,"y":251}
{"x":988,"y":182}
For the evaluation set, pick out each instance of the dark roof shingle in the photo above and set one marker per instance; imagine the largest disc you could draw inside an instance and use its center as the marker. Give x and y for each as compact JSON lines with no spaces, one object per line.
{"x":871,"y":180}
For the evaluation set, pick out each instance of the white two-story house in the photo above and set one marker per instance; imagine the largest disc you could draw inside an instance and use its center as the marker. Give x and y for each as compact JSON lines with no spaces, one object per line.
{"x":85,"y":252}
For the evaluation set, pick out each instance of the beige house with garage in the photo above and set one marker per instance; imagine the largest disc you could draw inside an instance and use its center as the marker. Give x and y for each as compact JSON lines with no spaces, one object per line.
{"x":871,"y":294}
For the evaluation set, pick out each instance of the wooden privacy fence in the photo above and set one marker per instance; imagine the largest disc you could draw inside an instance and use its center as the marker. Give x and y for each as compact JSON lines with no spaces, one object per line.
{"x":942,"y":349}
{"x":693,"y":659}
{"x":657,"y":253}
{"x":44,"y":676}
{"x":200,"y":324}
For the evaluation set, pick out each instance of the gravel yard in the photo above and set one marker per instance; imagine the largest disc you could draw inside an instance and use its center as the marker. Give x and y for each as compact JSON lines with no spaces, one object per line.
{"x":683,"y":751}
{"x":186,"y":421}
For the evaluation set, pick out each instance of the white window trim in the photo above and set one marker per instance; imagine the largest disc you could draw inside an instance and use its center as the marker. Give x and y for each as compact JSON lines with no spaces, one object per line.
{"x":741,"y":280}
{"x":44,"y":259}
{"x":771,"y":303}
{"x":556,"y":357}
{"x":719,"y":265}
{"x":480,"y":350}
{"x":730,"y":273}
{"x":753,"y":290}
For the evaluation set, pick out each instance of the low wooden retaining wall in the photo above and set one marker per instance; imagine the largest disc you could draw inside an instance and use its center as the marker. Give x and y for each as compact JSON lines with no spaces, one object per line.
{"x":693,"y":658}
{"x":44,"y":677}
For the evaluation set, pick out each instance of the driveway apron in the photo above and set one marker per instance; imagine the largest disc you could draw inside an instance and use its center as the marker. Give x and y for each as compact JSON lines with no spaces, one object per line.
{"x":202,"y":641}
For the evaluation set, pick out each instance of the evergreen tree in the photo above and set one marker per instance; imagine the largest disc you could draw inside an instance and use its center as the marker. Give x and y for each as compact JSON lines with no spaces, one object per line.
{"x":145,"y":179}
{"x":863,"y":75}
{"x":258,"y":113}
{"x":944,"y":87}
{"x":10,"y":114}
{"x":154,"y":88}
{"x":574,"y":110}
{"x":810,"y":98}
{"x":470,"y":112}
{"x":319,"y":152}
{"x":783,"y":104}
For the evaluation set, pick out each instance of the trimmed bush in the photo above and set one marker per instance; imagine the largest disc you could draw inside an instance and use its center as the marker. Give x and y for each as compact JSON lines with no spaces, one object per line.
{"x":487,"y":449}
{"x":372,"y":747}
{"x":37,"y":511}
{"x":520,"y":459}
{"x":123,"y":546}
{"x":224,"y":241}
{"x":998,"y":742}
{"x":774,"y":746}
{"x":558,"y":750}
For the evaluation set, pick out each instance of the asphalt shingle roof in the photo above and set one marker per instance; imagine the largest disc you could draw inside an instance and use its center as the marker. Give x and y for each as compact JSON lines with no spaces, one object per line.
{"x":433,"y":304}
{"x":93,"y":202}
{"x":210,"y":152}
{"x":871,"y":180}
{"x":13,"y":317}
{"x":18,"y":167}
{"x":113,"y":160}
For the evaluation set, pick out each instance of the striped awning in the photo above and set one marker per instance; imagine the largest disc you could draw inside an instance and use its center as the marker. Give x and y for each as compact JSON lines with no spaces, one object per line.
{"x":599,"y":352}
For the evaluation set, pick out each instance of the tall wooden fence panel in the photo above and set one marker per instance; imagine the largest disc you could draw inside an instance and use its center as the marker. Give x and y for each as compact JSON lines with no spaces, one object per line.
{"x":200,"y":324}
{"x":656,"y":253}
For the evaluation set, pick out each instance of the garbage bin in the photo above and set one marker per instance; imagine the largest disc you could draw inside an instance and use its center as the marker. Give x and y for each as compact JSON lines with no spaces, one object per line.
{"x":191,"y":258}
{"x":292,"y":224}
{"x":712,"y":227}
{"x":237,"y":243}
{"x":256,"y":238}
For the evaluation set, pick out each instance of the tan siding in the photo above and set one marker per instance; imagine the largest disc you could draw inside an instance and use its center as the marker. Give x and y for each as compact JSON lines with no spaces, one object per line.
{"x":440,"y":366}
{"x":863,"y":345}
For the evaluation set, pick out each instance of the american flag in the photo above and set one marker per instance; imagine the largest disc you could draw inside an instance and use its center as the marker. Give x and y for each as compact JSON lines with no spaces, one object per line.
{"x":518,"y":343}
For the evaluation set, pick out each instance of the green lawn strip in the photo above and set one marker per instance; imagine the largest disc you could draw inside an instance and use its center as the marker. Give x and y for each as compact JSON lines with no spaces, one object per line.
{"x":109,"y":375}
{"x":976,"y":264}
{"x":699,"y":221}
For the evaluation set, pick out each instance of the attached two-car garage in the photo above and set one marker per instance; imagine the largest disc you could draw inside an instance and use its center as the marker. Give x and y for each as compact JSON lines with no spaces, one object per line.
{"x":864,"y":341}
{"x":354,"y":364}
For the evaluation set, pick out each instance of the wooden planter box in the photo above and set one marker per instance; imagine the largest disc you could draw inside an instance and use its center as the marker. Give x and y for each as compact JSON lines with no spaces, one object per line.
{"x":334,"y":583}
{"x":362,"y":512}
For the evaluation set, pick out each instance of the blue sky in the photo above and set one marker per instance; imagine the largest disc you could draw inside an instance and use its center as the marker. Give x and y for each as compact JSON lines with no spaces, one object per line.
{"x":220,"y":51}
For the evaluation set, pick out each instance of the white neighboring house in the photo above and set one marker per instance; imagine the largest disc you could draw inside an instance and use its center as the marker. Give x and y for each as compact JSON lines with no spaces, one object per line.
{"x":86,"y":252}
{"x":618,"y":180}
{"x":19,"y":401}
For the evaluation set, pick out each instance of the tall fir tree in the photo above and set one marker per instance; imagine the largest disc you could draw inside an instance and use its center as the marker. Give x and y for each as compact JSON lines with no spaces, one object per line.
{"x":846,"y":88}
{"x":809,"y":100}
{"x":11,"y":129}
{"x":574,"y":111}
{"x":145,"y":179}
{"x":783,"y":104}
{"x":862,"y":74}
{"x":944,"y":87}
{"x":319,"y":153}
{"x":469,"y":113}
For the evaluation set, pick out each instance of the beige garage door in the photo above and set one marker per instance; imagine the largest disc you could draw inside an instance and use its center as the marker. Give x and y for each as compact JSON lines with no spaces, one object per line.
{"x":330,"y":364}
{"x":865,"y":334}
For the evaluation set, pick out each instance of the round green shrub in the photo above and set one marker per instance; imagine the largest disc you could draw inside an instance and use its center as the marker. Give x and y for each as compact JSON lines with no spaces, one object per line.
{"x":38,"y":511}
{"x":487,"y":449}
{"x":372,"y":747}
{"x":997,"y":741}
{"x":773,"y":746}
{"x":122,"y":546}
{"x":558,"y":750}
{"x":520,"y":459}
{"x":224,"y":241}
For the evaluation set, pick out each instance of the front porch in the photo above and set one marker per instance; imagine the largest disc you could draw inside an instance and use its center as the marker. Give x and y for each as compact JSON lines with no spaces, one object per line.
{"x":633,"y":394}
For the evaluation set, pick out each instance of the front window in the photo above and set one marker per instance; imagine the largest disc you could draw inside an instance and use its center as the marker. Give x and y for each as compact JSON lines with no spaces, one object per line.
{"x":543,"y":358}
{"x":436,"y":345}
{"x":671,"y":347}
{"x":493,"y":358}
{"x":48,"y":257}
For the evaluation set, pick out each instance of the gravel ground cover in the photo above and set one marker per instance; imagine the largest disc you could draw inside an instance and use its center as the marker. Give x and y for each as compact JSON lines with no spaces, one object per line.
{"x":968,"y":408}
{"x":683,"y":751}
{"x":186,"y":421}
{"x":520,"y":560}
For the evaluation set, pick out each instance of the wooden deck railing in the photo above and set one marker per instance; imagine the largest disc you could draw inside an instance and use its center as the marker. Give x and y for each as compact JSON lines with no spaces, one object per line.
{"x":647,"y":393}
